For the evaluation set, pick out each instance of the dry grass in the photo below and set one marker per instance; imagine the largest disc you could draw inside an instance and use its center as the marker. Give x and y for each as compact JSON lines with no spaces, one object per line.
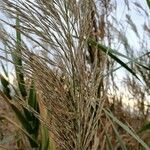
{"x":68,"y":73}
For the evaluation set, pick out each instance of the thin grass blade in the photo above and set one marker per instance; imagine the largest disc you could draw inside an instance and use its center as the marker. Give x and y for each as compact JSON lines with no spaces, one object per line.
{"x":44,"y":138}
{"x":18,"y":61}
{"x":126,"y":128}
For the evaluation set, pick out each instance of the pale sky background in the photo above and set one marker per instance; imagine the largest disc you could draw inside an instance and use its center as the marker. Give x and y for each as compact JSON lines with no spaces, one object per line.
{"x":137,"y":18}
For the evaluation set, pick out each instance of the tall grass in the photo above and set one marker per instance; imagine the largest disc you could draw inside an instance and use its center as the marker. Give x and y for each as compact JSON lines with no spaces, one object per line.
{"x":66,"y":67}
{"x":30,"y":124}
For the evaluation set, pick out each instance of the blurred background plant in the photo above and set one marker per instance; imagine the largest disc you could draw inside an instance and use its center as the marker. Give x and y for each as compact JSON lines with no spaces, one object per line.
{"x":65,"y":73}
{"x":28,"y":122}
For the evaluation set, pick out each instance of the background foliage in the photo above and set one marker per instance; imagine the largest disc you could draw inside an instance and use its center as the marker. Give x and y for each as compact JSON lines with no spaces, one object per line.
{"x":65,"y":93}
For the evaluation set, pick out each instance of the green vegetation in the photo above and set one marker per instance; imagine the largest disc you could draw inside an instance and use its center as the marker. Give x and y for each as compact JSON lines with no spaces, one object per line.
{"x":30,"y":124}
{"x":64,"y":72}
